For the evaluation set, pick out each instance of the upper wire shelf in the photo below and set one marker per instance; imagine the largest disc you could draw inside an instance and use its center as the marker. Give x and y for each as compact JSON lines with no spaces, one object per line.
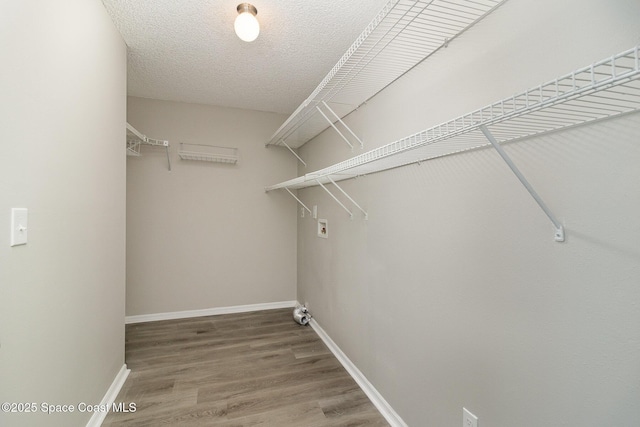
{"x":604,"y":89}
{"x":403,"y":34}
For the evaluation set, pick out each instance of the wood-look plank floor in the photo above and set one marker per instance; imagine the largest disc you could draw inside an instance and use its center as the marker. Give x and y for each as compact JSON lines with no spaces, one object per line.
{"x":237,"y":370}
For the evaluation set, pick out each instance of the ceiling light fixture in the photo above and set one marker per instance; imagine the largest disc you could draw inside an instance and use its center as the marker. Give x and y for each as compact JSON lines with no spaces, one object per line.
{"x":247,"y":26}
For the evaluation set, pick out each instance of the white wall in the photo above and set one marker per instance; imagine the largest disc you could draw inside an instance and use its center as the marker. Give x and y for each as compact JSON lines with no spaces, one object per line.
{"x":206,"y":235}
{"x":454,"y":292}
{"x":63,"y":109}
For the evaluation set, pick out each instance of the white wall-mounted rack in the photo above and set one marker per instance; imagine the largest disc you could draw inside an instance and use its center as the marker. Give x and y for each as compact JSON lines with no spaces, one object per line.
{"x":135,"y":139}
{"x":604,"y":89}
{"x":208,"y":153}
{"x":403,"y":34}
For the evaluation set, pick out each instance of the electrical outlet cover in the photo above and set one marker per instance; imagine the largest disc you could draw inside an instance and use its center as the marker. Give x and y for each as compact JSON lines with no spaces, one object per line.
{"x":323,"y":228}
{"x":468,"y":419}
{"x":19,"y":225}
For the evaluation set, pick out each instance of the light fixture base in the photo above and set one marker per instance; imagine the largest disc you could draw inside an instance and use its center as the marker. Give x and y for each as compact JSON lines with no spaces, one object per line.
{"x":247,"y":7}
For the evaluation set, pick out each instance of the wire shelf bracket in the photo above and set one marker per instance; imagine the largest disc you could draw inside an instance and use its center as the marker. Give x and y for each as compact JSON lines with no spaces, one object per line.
{"x":135,"y":139}
{"x":335,"y":198}
{"x":559,"y":233}
{"x":299,"y":201}
{"x":366,"y":215}
{"x":339,"y":120}
{"x":293,"y":152}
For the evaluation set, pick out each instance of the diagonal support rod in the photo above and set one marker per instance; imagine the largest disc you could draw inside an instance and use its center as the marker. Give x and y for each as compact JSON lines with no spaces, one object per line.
{"x":293,"y":152}
{"x":559,"y":234}
{"x":299,"y":201}
{"x":343,"y":124}
{"x":334,"y":127}
{"x":366,"y":215}
{"x":335,"y":198}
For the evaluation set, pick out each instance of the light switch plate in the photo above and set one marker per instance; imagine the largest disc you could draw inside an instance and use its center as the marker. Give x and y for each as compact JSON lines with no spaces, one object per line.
{"x":18,"y":226}
{"x":468,"y":419}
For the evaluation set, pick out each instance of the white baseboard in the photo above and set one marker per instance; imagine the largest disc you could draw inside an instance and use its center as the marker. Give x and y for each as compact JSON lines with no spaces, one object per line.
{"x":376,"y":398}
{"x":110,"y":397}
{"x":208,"y":312}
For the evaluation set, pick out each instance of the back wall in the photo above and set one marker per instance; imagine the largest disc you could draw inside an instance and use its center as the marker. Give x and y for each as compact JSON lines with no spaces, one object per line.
{"x":206,"y":235}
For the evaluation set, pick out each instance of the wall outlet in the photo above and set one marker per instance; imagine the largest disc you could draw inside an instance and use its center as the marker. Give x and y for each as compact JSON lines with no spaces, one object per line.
{"x":468,"y":419}
{"x":323,"y":228}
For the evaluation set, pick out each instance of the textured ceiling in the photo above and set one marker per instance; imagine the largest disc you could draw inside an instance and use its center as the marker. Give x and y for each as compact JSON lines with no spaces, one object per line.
{"x":186,"y":50}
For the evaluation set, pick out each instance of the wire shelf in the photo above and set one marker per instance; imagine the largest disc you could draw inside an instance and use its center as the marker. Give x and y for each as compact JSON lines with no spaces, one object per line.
{"x":604,"y":89}
{"x":208,"y":153}
{"x":403,"y":34}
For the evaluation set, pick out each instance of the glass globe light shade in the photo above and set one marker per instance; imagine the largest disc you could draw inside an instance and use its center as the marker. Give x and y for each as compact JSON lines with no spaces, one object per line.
{"x":247,"y":27}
